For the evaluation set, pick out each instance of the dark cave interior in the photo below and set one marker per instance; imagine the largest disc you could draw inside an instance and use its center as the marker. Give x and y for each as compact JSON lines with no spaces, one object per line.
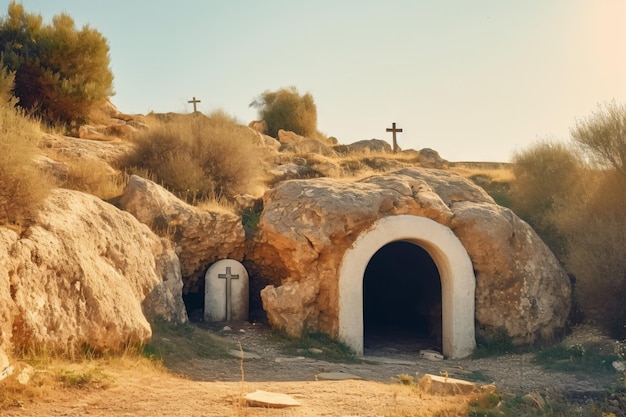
{"x":402,"y":298}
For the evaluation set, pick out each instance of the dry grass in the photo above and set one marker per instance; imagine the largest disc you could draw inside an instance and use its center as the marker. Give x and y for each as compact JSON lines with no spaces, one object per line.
{"x":500,"y":174}
{"x":22,"y":185}
{"x":199,"y":157}
{"x":137,"y":386}
{"x":94,"y":177}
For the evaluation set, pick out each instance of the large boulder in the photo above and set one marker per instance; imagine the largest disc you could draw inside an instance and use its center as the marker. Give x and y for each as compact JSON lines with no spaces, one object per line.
{"x":307,"y":226}
{"x":201,"y":236}
{"x":84,"y":274}
{"x":371,"y":145}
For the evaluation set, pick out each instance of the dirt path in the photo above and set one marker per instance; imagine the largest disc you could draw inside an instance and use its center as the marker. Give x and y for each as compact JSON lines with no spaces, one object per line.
{"x":202,"y":387}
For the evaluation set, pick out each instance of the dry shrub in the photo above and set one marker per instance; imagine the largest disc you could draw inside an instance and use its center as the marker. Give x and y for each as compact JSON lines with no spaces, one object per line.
{"x":596,"y":236}
{"x":22,"y":186}
{"x":287,"y":109}
{"x":94,"y":177}
{"x":199,"y":157}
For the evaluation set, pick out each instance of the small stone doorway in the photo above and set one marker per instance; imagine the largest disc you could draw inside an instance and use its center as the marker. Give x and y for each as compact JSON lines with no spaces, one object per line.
{"x":401,"y":300}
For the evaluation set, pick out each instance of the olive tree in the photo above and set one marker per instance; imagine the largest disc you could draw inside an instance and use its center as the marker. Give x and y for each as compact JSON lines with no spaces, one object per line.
{"x":61,"y":73}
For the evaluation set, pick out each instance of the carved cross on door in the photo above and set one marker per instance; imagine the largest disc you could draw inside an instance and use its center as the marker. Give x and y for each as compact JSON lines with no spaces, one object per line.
{"x":228,"y":277}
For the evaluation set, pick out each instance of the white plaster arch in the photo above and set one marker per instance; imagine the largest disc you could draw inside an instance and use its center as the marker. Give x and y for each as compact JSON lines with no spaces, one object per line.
{"x":458,"y":282}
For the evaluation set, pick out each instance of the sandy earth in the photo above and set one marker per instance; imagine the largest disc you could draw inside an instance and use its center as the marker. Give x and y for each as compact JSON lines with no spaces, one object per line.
{"x":134,"y":387}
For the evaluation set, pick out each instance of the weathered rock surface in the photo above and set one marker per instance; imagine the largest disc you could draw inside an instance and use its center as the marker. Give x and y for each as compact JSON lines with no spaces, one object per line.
{"x":307,"y":146}
{"x":59,"y":147}
{"x":370,"y":145}
{"x":201,"y":237}
{"x":287,"y":136}
{"x":259,"y":126}
{"x":84,"y":274}
{"x":307,"y":226}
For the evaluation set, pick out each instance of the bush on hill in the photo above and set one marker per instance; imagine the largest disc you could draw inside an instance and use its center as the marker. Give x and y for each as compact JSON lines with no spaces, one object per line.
{"x":61,"y":73}
{"x":287,"y":109}
{"x":580,"y":210}
{"x":200,"y":158}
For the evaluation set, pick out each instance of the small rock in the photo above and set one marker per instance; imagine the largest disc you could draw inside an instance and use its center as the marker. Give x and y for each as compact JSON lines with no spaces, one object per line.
{"x":336,"y":376}
{"x":242,"y":331}
{"x":431,"y":355}
{"x":316,"y":350}
{"x":227,"y":329}
{"x":619,"y":366}
{"x":25,"y":375}
{"x":267,"y":399}
{"x":443,"y":385}
{"x":6,"y":372}
{"x":535,"y":399}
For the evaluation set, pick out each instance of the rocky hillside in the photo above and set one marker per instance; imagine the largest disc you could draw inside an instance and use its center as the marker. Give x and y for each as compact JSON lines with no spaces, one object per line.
{"x":92,"y":272}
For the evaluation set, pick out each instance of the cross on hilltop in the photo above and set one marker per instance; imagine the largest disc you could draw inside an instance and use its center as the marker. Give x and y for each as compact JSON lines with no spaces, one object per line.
{"x":393,"y":130}
{"x":194,"y":102}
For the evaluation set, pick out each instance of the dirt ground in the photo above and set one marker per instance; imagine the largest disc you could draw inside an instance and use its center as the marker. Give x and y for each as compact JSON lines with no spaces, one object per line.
{"x":204,"y":387}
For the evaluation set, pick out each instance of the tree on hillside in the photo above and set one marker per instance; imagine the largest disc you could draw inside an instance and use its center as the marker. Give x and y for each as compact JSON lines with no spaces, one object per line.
{"x":287,"y":109}
{"x":61,"y":73}
{"x":603,"y":136}
{"x":546,"y":177}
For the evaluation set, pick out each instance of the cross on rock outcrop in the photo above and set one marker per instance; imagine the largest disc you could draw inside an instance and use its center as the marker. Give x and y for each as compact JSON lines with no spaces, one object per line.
{"x":394,"y":130}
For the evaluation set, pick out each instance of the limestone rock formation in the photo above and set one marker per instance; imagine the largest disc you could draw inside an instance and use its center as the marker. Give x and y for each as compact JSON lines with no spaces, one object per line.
{"x":259,"y":126}
{"x":65,"y":147}
{"x":307,"y":225}
{"x":308,"y":146}
{"x":371,"y":145}
{"x":201,"y":236}
{"x":84,"y":274}
{"x":286,"y":137}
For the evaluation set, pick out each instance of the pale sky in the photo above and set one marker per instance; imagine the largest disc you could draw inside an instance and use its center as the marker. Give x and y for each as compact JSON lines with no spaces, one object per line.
{"x":474,"y":80}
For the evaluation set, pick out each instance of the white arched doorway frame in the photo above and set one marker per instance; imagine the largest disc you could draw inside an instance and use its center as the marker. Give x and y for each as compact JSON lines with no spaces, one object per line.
{"x":458,"y":283}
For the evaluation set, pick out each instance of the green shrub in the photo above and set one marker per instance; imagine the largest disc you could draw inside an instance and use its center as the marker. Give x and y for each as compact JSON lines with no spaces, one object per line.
{"x":200,"y":158}
{"x":287,"y":109}
{"x":61,"y":73}
{"x":585,"y":359}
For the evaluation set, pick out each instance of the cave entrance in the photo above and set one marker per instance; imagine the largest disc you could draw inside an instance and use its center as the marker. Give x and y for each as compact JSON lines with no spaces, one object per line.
{"x":456,"y":277}
{"x":401,"y":300}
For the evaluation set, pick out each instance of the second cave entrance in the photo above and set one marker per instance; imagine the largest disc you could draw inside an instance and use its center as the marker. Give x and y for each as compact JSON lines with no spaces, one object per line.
{"x":401,"y":299}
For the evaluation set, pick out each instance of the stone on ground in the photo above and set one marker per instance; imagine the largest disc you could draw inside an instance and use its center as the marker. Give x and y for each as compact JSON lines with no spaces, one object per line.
{"x":267,"y":399}
{"x":435,"y":384}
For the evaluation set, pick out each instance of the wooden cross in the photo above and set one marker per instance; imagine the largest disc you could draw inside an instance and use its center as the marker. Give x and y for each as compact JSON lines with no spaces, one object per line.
{"x":228,"y":277}
{"x":393,"y":130}
{"x":194,"y":101}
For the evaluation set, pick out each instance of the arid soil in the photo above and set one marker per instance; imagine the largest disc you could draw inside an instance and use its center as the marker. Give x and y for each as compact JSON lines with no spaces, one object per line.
{"x":203,"y":387}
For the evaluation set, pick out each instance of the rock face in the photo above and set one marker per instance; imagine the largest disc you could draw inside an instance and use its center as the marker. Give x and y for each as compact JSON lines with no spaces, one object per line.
{"x":371,"y":145}
{"x":201,"y":237}
{"x":308,"y":225}
{"x":85,"y":274}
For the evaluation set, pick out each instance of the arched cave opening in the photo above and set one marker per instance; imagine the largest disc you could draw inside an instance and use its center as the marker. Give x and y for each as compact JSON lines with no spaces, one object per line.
{"x":194,"y":302}
{"x":402,"y":299}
